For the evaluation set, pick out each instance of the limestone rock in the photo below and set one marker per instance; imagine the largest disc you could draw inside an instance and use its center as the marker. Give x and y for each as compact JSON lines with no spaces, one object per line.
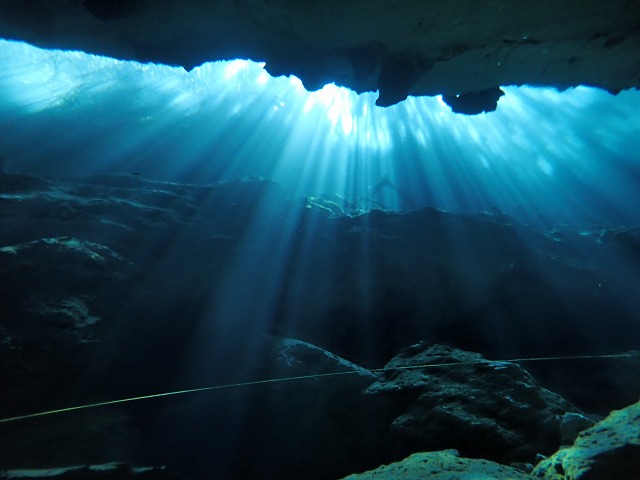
{"x":462,"y":49}
{"x":488,"y":409}
{"x":152,"y":261}
{"x":609,"y":450}
{"x":444,"y":465}
{"x":56,"y":274}
{"x":422,"y":268}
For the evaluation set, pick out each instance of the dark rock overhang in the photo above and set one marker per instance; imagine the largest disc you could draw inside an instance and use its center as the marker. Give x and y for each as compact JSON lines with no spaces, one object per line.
{"x":461,"y":49}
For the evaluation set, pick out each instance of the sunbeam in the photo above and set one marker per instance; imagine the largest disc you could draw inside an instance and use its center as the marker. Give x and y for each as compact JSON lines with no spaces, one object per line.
{"x":219,"y":122}
{"x":267,"y":250}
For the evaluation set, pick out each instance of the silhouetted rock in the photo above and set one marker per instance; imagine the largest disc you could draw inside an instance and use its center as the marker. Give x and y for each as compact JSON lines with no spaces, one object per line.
{"x":114,"y":287}
{"x":475,"y":102}
{"x":461,"y":400}
{"x":413,"y":48}
{"x":243,"y":259}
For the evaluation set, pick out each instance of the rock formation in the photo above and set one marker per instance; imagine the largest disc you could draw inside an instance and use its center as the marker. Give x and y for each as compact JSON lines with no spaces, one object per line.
{"x":119,"y":258}
{"x":115,"y":286}
{"x":493,"y":410}
{"x":610,"y":449}
{"x":443,"y":465}
{"x":463,"y":50}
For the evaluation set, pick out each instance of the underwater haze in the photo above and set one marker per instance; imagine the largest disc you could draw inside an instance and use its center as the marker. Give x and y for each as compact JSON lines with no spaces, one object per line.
{"x":218,"y":274}
{"x":572,"y":155}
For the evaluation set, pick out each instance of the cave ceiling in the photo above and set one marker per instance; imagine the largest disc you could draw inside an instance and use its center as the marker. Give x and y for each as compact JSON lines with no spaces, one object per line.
{"x":463,"y":50}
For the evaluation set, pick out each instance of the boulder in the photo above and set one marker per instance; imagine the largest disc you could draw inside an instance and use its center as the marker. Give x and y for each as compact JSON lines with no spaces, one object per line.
{"x":444,"y":465}
{"x":442,"y":397}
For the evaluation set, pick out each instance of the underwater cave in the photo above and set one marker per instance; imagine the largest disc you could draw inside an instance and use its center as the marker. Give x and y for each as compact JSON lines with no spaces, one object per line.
{"x":275,"y":240}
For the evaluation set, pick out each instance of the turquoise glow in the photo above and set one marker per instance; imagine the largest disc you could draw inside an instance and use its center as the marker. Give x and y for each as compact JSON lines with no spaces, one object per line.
{"x":574,"y":154}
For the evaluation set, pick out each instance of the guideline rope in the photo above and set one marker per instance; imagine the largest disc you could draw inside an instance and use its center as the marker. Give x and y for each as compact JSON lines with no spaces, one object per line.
{"x":306,"y":377}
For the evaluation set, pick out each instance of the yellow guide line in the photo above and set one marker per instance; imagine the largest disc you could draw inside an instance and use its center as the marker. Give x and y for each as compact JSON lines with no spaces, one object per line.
{"x":304,"y":377}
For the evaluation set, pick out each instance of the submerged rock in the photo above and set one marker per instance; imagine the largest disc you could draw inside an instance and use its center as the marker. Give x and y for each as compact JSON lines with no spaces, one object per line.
{"x":609,"y":450}
{"x":443,"y":397}
{"x":141,"y":253}
{"x":444,"y":465}
{"x":114,"y":287}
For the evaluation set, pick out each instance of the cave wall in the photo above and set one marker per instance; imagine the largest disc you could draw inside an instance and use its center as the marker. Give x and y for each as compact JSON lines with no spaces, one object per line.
{"x":413,"y":47}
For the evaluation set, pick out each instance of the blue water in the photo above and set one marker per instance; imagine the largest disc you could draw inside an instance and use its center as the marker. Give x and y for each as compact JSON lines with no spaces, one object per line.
{"x":155,"y":224}
{"x":544,"y":156}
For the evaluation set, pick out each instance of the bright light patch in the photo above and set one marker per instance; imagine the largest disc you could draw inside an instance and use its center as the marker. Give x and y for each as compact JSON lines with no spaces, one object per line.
{"x":262,"y":79}
{"x":232,"y":68}
{"x":545,"y":166}
{"x":338,"y":105}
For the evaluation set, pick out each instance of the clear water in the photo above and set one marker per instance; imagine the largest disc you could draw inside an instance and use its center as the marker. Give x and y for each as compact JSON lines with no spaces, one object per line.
{"x":175,"y":217}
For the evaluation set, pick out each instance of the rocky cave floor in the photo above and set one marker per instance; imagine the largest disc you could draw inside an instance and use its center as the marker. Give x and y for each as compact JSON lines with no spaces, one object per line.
{"x":104,"y":283}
